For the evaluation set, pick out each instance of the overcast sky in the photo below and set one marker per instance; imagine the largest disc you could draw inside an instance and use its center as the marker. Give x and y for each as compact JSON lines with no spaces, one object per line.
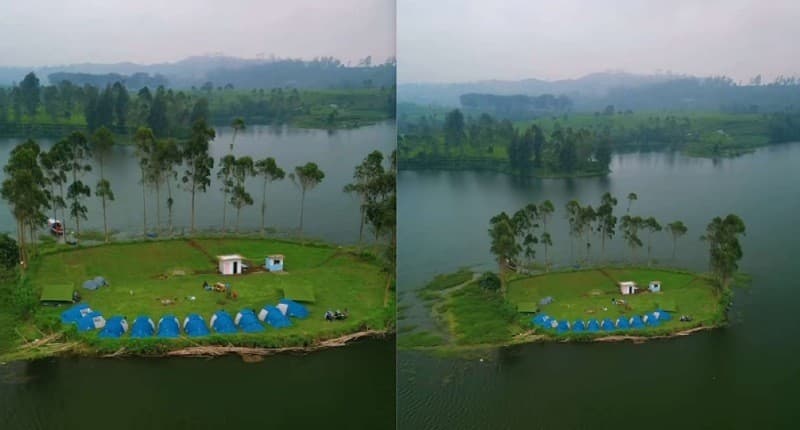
{"x":50,"y":32}
{"x":467,"y":40}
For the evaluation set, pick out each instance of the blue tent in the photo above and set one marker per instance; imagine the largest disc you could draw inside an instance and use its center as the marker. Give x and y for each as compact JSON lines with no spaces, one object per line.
{"x":222,"y":322}
{"x":143,"y":326}
{"x":294,"y":309}
{"x":91,"y":321}
{"x":663,"y":315}
{"x":169,"y":327}
{"x":593,"y":325}
{"x":636,"y":322}
{"x":563,"y":326}
{"x":578,"y":326}
{"x":115,"y":327}
{"x":73,"y":314}
{"x":622,"y":323}
{"x":652,"y":319}
{"x":247,"y":320}
{"x":274,"y":317}
{"x":541,"y":320}
{"x":193,"y":325}
{"x":607,"y":324}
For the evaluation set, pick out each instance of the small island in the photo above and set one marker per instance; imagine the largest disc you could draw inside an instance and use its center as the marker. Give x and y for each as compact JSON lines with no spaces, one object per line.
{"x":528,"y":301}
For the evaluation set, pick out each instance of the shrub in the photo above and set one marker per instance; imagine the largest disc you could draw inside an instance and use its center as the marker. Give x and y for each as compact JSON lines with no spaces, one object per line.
{"x":489,"y":281}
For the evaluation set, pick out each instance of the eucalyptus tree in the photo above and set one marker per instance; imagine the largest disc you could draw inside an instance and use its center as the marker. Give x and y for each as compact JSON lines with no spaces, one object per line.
{"x":145,"y":145}
{"x":237,"y":125}
{"x":607,"y":220}
{"x":546,"y":210}
{"x":676,"y":230}
{"x":573,"y":215}
{"x":526,"y":223}
{"x":194,"y":151}
{"x":52,"y":166}
{"x":587,"y":217}
{"x":630,"y":232}
{"x":306,"y":177}
{"x":382,"y":206}
{"x":77,"y":155}
{"x":652,"y":226}
{"x":225,"y":175}
{"x":725,"y":251}
{"x":268,"y":169}
{"x":102,"y":142}
{"x":170,"y":157}
{"x":504,"y":244}
{"x":25,"y":191}
{"x":242,"y":168}
{"x":369,"y":170}
{"x":631,"y":198}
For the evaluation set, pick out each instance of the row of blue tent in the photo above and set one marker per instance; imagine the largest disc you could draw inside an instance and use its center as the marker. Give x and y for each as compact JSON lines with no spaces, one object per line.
{"x":622,"y":323}
{"x":193,"y":325}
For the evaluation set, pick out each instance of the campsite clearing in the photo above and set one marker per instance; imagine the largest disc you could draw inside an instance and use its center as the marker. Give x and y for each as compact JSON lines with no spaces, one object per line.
{"x":167,"y":277}
{"x":472,"y":316}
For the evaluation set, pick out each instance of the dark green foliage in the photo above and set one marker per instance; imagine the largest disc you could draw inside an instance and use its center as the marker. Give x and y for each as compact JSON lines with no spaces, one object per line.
{"x":29,"y":93}
{"x":725,"y":251}
{"x":489,"y":281}
{"x":9,"y":253}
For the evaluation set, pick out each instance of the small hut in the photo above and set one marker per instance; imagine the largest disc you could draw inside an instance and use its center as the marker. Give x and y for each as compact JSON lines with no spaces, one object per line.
{"x":627,"y":287}
{"x":230,"y":264}
{"x":274,"y":263}
{"x":655,"y":286}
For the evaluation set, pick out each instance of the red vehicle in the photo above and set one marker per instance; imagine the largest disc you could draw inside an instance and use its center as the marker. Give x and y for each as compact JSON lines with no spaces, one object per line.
{"x":55,"y":226}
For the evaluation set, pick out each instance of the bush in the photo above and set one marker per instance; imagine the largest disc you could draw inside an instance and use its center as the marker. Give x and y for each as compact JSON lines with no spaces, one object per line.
{"x":489,"y":281}
{"x":24,"y":300}
{"x":9,"y":253}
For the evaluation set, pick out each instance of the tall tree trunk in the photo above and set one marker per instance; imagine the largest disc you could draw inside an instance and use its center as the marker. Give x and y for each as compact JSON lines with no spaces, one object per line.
{"x":224,"y":206}
{"x":144,"y":206}
{"x":77,"y":217}
{"x":158,"y":206}
{"x":63,"y":209}
{"x":238,"y":210}
{"x":169,"y":205}
{"x":105,"y":221}
{"x":302,"y":204}
{"x":23,"y":256}
{"x":263,"y":206}
{"x":674,"y":245}
{"x":192,"y":224}
{"x":361,"y":226}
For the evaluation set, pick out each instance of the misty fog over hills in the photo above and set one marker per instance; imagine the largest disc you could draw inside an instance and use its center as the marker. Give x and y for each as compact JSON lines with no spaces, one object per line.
{"x":624,"y":91}
{"x":325,"y":72}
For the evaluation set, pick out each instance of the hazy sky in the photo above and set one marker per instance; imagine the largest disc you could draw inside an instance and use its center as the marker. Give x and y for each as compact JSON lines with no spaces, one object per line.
{"x":466,"y":40}
{"x":47,"y":32}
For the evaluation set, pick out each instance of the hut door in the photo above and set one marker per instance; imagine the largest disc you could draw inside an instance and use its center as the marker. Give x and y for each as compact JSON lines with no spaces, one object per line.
{"x":235,"y":267}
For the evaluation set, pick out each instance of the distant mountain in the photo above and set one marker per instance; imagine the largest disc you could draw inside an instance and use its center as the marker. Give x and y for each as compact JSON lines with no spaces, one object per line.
{"x":221,"y":70}
{"x":592,"y":86}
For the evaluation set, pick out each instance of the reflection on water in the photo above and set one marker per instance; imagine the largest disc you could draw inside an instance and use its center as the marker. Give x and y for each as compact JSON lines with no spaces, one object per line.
{"x":715,"y":379}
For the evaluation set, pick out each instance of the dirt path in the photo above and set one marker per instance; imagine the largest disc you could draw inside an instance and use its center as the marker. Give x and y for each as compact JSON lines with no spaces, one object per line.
{"x":193,"y":243}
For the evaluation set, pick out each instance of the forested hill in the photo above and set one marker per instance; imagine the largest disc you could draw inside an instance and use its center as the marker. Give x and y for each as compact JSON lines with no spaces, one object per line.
{"x":220,"y":72}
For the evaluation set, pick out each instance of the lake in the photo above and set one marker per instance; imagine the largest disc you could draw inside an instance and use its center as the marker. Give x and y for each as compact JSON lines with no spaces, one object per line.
{"x":743,"y":376}
{"x":350,"y":387}
{"x":330,"y":214}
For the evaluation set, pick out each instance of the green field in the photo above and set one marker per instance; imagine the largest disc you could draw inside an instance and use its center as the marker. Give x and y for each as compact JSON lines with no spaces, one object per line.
{"x":142,"y":274}
{"x":471,"y":316}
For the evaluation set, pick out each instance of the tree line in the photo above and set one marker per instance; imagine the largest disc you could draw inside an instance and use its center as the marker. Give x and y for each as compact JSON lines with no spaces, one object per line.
{"x":171,"y":113}
{"x":39,"y":181}
{"x":515,"y":238}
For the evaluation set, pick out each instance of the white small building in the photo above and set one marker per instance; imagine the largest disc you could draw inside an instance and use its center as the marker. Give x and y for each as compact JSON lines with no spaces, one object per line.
{"x":627,"y":287}
{"x":230,"y":264}
{"x":655,"y":286}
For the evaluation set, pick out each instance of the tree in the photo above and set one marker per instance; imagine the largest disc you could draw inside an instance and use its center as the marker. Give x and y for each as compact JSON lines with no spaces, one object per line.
{"x":538,"y":144}
{"x":169,"y":156}
{"x":586,"y":220}
{"x":224,"y":174}
{"x":652,"y":226}
{"x":725,"y":251}
{"x":157,"y":116}
{"x":504,"y":244}
{"x":525,"y":224}
{"x":631,"y":198}
{"x":197,"y":176}
{"x":546,"y":209}
{"x":630,"y":232}
{"x":369,"y":169}
{"x":454,"y":127}
{"x":102,"y":142}
{"x":145,"y":144}
{"x":78,"y":152}
{"x":306,"y":177}
{"x":242,"y":168}
{"x":29,"y":93}
{"x":24,"y":190}
{"x":237,"y":125}
{"x":574,"y":219}
{"x":121,"y":103}
{"x":269,"y":170}
{"x":608,"y":222}
{"x":676,"y":229}
{"x":52,"y":163}
{"x":199,"y":110}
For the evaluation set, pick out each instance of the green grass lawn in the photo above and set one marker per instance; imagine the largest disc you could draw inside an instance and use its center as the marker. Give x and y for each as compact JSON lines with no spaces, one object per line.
{"x":140,"y":274}
{"x":587,"y":295}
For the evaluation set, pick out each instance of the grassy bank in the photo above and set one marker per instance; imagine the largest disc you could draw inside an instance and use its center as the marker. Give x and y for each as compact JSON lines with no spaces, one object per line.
{"x":143,"y":274}
{"x":470,"y":316}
